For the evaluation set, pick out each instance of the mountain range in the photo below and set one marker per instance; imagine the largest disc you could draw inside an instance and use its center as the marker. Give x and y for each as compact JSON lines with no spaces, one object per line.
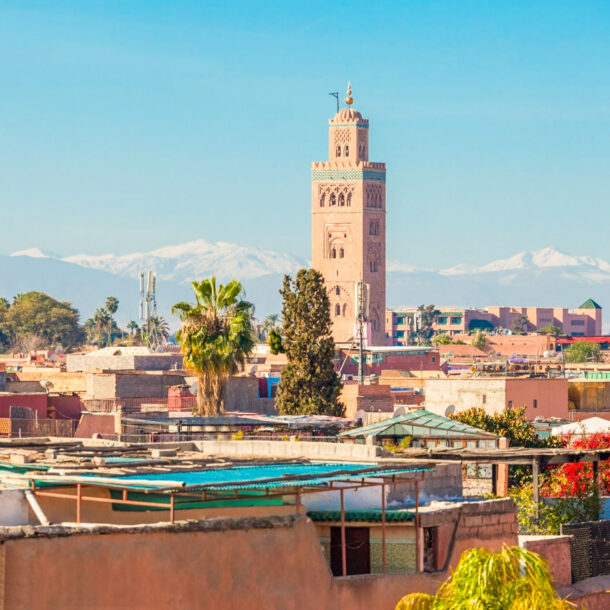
{"x":546,"y":277}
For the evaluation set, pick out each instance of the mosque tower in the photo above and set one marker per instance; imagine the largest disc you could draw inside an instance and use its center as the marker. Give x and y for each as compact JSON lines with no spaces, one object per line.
{"x":348,"y":225}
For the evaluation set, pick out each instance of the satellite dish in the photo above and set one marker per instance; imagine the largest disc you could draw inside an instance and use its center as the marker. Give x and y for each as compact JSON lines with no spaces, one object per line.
{"x":194,"y":387}
{"x":398,"y":411}
{"x":450,"y":410}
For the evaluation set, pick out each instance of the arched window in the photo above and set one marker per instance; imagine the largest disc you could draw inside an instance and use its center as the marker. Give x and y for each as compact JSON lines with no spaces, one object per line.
{"x":373,"y":228}
{"x":344,"y":309}
{"x":341,"y":199}
{"x":373,"y":266}
{"x":341,"y":252}
{"x":322,"y":200}
{"x":333,"y":199}
{"x":337,"y":309}
{"x":333,"y":253}
{"x":349,"y":199}
{"x":346,"y":150}
{"x":337,"y":290}
{"x":338,"y":151}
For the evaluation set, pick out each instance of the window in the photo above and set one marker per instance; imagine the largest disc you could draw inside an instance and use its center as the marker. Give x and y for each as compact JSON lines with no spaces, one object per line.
{"x":337,"y":309}
{"x":399,"y":334}
{"x":349,"y":199}
{"x":344,"y":309}
{"x":341,"y":199}
{"x":333,"y":199}
{"x":346,"y":150}
{"x":433,"y":358}
{"x":400,"y":320}
{"x":577,"y":322}
{"x":373,"y":266}
{"x":441,"y":320}
{"x":338,"y":151}
{"x":374,"y":227}
{"x":456,"y":319}
{"x":510,"y":404}
{"x":322,"y":200}
{"x":535,"y":403}
{"x":337,"y":290}
{"x":333,"y":253}
{"x":484,"y":399}
{"x":341,"y":252}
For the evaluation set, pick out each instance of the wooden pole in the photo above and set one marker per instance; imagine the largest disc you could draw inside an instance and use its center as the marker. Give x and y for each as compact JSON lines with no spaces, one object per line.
{"x":383,"y":542}
{"x":343,"y":547}
{"x":536,"y":488}
{"x":79,"y":495}
{"x":171,"y":508}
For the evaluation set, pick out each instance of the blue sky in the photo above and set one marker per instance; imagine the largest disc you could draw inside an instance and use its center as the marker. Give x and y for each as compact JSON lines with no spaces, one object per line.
{"x":131,"y":125}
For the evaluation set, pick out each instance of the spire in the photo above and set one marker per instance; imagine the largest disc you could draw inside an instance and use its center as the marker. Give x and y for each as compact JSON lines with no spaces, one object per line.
{"x":349,"y":100}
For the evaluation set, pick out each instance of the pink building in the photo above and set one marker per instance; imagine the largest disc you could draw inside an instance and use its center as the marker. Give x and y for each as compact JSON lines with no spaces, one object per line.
{"x":584,"y":321}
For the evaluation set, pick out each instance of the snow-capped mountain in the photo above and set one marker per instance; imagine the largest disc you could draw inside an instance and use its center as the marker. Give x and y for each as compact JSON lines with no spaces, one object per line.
{"x":546,"y":277}
{"x":185,"y":262}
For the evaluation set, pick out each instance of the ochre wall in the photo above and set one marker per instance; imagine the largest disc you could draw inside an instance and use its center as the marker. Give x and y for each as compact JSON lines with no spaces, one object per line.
{"x":263,"y":567}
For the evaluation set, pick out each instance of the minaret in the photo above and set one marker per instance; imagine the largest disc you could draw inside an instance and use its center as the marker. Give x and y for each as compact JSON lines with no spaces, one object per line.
{"x":348,"y":218}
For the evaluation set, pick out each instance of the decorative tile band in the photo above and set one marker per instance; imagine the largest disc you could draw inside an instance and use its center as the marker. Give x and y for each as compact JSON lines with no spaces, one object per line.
{"x":348,"y":174}
{"x":361,"y":125}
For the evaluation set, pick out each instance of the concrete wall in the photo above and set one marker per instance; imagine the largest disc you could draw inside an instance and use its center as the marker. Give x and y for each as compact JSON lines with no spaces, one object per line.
{"x":497,"y":394}
{"x":62,"y":381}
{"x":254,"y":566}
{"x":122,"y":361}
{"x":241,"y":395}
{"x":556,"y":551}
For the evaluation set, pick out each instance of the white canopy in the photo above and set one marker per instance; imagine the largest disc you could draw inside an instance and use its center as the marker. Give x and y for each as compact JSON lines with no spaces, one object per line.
{"x":591,"y":425}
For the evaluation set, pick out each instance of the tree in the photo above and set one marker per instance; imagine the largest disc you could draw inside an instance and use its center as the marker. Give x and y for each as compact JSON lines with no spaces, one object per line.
{"x":478,"y":341}
{"x":520,"y":323}
{"x":550,"y":329}
{"x":101,"y":319}
{"x":442,"y":339}
{"x":132,"y":327}
{"x":514,"y":578}
{"x":427,"y":315}
{"x":583,"y":351}
{"x":275,"y":342}
{"x":511,"y":424}
{"x":112,"y":304}
{"x":155,"y":330}
{"x":38,"y":314}
{"x":215,"y":338}
{"x":4,"y":337}
{"x":309,"y":383}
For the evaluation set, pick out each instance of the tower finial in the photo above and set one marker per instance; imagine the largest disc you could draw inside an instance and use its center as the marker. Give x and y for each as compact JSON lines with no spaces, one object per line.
{"x":349,"y":100}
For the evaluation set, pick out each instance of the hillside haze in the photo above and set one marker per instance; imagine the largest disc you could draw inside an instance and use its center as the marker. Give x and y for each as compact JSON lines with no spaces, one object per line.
{"x":546,"y":277}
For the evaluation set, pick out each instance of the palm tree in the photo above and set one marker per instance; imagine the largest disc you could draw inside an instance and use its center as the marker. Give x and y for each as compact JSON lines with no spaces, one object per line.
{"x":514,"y":578}
{"x":89,"y":327}
{"x":132,"y":326}
{"x":271,"y":322}
{"x":112,"y":304}
{"x":215,"y":337}
{"x":100,"y":317}
{"x":155,"y":330}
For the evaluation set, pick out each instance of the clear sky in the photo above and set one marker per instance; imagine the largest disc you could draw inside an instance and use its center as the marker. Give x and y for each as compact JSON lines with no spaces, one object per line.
{"x":127,"y":126}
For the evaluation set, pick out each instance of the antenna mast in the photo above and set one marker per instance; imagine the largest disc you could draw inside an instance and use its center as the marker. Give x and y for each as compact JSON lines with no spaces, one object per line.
{"x":335,"y":94}
{"x":362,"y":308}
{"x":148,"y":307}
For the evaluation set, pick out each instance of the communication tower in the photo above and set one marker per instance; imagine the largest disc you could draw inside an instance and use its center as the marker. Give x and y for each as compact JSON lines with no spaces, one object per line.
{"x":148,"y":307}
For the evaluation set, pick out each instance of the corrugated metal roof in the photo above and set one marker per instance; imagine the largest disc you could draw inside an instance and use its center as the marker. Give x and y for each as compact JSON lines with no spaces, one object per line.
{"x":419,"y":423}
{"x":391,"y":516}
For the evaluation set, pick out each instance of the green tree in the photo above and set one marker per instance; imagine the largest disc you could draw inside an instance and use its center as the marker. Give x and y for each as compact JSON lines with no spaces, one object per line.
{"x":583,"y":351}
{"x":309,"y":383}
{"x":478,"y":341}
{"x":442,"y":339}
{"x":215,"y":337}
{"x":101,"y":318}
{"x":275,"y":342}
{"x":513,"y":579}
{"x":550,"y":329}
{"x":36,"y":314}
{"x":426,"y":315}
{"x":520,"y":323}
{"x":132,"y":327}
{"x":155,"y":330}
{"x":4,"y":336}
{"x":112,"y":305}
